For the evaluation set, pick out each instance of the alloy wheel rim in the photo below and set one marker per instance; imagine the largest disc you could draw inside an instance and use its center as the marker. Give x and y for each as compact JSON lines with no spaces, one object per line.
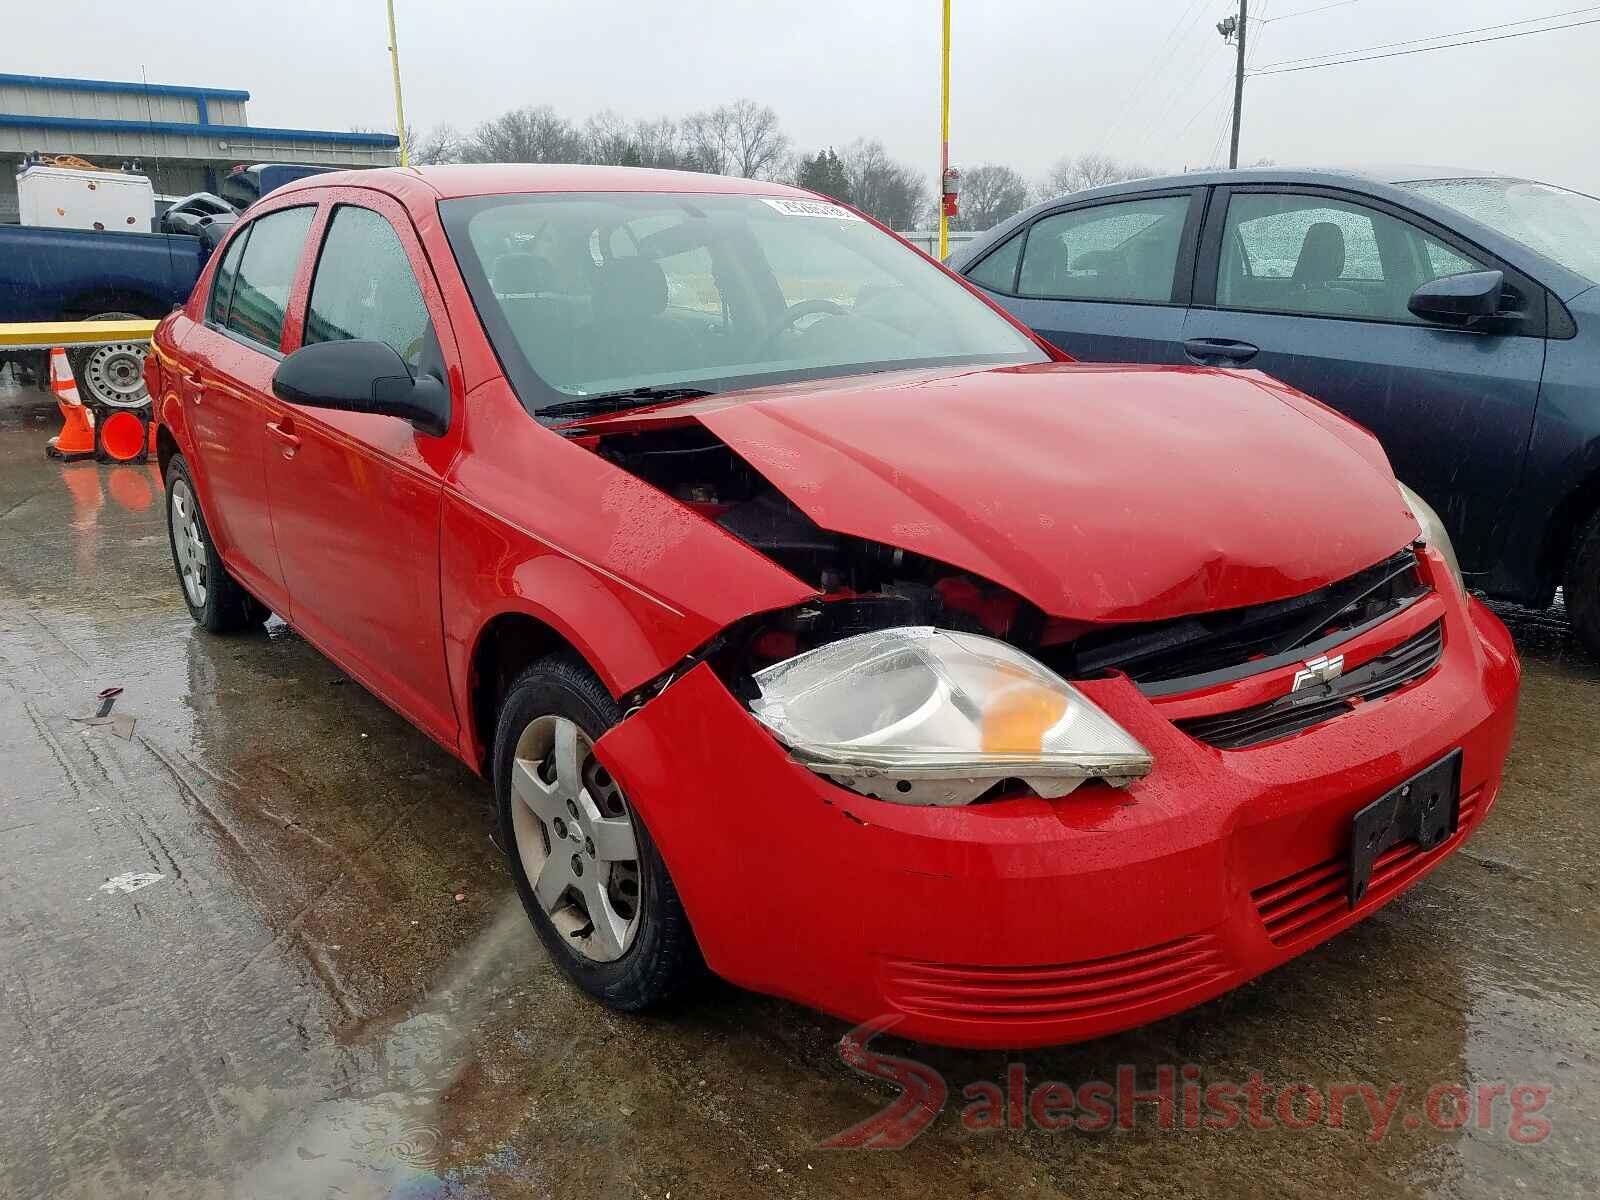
{"x":575,"y":838}
{"x":188,"y":545}
{"x":115,"y":375}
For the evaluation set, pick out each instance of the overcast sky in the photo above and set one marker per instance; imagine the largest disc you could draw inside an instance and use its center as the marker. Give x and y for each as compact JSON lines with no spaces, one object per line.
{"x":1031,"y":79}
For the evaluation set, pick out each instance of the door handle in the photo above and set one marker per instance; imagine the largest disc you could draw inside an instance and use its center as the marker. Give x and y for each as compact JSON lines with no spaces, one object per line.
{"x":284,"y":432}
{"x":1208,"y":350}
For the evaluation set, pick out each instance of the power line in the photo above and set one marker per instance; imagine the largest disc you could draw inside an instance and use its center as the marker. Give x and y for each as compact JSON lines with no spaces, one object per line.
{"x":1157,"y":62}
{"x":1302,"y":12}
{"x":1504,"y":37}
{"x":1571,"y":12}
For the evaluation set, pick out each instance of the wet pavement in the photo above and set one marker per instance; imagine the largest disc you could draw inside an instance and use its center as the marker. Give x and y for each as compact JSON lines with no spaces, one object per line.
{"x":331,"y":989}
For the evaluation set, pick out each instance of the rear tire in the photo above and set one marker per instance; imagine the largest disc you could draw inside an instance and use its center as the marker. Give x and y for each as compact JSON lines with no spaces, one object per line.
{"x":215,"y":598}
{"x":564,"y":820}
{"x":112,"y":376}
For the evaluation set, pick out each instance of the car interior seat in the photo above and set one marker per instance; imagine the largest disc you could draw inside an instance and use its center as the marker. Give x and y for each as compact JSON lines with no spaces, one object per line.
{"x":629,"y":335}
{"x":1319,"y":268}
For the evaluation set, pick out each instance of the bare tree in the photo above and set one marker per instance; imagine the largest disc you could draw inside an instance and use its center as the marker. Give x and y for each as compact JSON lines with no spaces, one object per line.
{"x":529,"y":135}
{"x":441,"y":144}
{"x":607,"y":140}
{"x":1089,"y":170}
{"x":890,"y":191}
{"x":989,"y":194}
{"x":742,"y":138}
{"x":660,"y":143}
{"x":610,"y":140}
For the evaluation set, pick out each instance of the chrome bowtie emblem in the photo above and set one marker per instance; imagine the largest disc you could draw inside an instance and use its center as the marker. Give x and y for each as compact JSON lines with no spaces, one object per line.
{"x":1321,"y":669}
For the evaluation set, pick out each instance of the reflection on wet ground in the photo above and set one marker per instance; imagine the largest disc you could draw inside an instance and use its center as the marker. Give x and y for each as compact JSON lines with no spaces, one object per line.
{"x":300,"y":1006}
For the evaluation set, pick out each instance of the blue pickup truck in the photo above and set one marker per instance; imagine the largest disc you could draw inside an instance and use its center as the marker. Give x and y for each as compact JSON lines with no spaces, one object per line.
{"x":84,"y":275}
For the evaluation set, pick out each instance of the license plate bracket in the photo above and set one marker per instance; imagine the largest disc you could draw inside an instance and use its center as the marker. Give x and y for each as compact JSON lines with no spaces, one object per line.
{"x":1425,"y":808}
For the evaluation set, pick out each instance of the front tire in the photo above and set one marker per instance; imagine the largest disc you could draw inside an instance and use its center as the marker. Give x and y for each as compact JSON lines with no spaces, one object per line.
{"x":590,"y":877}
{"x":215,"y":599}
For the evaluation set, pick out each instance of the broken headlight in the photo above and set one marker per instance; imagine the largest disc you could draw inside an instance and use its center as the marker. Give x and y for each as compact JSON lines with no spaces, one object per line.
{"x":930,"y":716}
{"x":1433,"y":533}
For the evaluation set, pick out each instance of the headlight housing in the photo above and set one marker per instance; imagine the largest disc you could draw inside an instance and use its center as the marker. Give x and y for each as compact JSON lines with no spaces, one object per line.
{"x":1433,"y":533}
{"x":929,"y":716}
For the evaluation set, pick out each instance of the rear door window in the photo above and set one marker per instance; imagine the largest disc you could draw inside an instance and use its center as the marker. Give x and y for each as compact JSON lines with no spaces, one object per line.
{"x":364,"y":288}
{"x":222,"y":285}
{"x":266,"y":273}
{"x":1125,"y":251}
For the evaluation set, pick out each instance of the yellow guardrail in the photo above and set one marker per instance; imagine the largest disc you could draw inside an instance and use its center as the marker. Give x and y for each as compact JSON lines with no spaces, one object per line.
{"x":45,"y":335}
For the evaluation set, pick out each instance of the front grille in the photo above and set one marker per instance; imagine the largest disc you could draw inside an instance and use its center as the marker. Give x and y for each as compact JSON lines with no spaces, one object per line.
{"x":1304,"y":904}
{"x":1373,"y":679}
{"x":1165,"y":657}
{"x":1087,"y":989}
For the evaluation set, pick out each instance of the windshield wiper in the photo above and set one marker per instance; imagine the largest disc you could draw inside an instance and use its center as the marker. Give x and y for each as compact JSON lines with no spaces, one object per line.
{"x":604,"y":402}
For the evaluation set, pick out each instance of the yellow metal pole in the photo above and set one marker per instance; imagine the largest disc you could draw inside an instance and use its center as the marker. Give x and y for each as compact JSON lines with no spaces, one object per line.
{"x":944,"y":136}
{"x":399,"y":104}
{"x":47,"y":335}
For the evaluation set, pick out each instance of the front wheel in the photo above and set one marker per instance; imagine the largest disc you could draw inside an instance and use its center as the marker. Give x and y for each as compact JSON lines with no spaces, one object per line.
{"x":214,"y":597}
{"x":591,"y":879}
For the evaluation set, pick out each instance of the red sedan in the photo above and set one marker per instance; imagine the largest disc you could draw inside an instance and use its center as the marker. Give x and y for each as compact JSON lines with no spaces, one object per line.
{"x":812,"y":619}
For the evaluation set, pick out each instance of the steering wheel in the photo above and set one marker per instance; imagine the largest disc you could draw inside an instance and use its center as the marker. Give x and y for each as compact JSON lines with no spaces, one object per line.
{"x":793,"y":313}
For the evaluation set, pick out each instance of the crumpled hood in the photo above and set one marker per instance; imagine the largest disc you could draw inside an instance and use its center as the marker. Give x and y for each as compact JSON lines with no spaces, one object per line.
{"x":1099,"y":493}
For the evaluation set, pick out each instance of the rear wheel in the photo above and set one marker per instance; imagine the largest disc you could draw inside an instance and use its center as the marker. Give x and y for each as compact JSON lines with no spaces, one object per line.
{"x":111,"y":375}
{"x":1581,"y":586}
{"x":590,"y":877}
{"x":214,"y":597}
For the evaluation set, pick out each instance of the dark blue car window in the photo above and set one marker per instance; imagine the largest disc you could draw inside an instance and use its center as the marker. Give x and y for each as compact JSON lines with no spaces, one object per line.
{"x":998,"y":272}
{"x":1125,"y":251}
{"x":1315,"y":256}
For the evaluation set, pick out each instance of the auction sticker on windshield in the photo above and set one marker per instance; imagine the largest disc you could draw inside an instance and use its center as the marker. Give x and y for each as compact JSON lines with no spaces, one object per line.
{"x":808,"y":208}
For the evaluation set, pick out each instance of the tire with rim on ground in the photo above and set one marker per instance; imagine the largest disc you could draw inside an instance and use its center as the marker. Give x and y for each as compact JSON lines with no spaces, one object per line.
{"x":591,"y":879}
{"x":111,"y":375}
{"x":1581,"y":585}
{"x":215,"y":599}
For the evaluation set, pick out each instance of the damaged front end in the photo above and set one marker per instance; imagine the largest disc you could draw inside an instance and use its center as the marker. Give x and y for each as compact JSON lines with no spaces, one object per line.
{"x":905,"y":679}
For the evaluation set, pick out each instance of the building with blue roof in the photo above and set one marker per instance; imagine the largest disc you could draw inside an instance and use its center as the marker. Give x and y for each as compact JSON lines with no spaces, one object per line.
{"x":184,"y":138}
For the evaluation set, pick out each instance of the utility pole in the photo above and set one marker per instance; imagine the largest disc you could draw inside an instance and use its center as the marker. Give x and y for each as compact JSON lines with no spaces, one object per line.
{"x":399,"y":104}
{"x":1234,"y":28}
{"x":944,"y":136}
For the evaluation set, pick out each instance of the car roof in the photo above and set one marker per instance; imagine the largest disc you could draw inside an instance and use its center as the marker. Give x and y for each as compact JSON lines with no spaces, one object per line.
{"x":493,"y":179}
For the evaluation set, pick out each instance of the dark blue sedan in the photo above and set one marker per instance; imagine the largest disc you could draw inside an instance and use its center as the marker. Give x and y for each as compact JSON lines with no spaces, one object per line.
{"x":1454,"y":314}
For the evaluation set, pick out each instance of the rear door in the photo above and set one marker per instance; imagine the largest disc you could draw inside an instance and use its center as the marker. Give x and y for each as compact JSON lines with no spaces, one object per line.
{"x":1106,"y":280}
{"x":227,"y":392}
{"x":355,"y":496}
{"x":1311,"y":285}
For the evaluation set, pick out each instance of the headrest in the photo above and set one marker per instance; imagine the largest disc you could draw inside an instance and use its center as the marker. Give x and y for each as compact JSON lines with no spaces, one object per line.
{"x":630,"y":288}
{"x":519,"y":275}
{"x":1321,"y":254}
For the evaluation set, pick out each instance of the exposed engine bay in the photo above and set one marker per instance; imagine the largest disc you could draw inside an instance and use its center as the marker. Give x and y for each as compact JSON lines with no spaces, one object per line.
{"x":865,"y":585}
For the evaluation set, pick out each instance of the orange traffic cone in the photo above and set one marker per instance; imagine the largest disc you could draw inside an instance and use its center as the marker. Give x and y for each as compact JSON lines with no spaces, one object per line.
{"x":76,"y":439}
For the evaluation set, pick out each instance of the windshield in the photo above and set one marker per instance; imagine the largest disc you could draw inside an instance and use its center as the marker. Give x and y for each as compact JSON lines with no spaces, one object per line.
{"x":587,"y":294}
{"x":1561,"y":225}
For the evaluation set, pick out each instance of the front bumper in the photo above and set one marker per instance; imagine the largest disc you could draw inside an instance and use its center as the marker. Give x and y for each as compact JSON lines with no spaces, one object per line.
{"x":1033,"y":922}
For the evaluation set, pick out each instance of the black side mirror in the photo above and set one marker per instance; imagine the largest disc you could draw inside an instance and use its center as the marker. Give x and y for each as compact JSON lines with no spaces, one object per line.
{"x":362,"y":377}
{"x":1469,"y":300}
